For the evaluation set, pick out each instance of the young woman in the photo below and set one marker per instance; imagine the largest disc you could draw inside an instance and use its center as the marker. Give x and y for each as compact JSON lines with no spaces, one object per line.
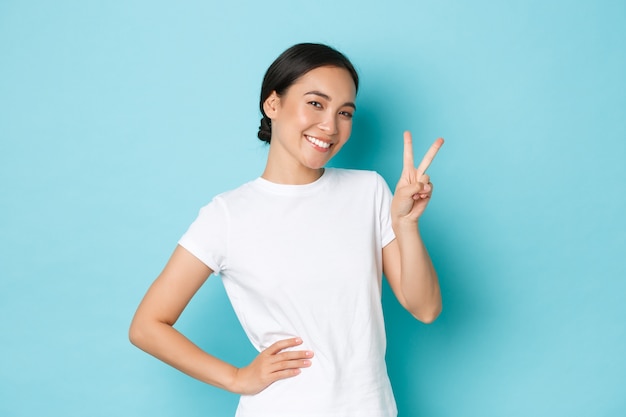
{"x":301,"y":251}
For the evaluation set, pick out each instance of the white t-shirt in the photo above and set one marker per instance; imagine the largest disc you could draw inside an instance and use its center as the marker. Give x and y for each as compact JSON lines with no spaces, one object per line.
{"x":306,"y":261}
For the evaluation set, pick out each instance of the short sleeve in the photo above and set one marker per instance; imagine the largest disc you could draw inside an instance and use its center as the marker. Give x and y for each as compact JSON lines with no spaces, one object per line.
{"x":384,"y":196}
{"x":207,"y":237}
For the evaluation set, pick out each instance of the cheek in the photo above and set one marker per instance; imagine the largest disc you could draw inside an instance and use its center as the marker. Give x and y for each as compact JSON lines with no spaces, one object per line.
{"x":296,"y":119}
{"x":308,"y":117}
{"x":346,"y":129}
{"x":304,"y":118}
{"x":345,"y":136}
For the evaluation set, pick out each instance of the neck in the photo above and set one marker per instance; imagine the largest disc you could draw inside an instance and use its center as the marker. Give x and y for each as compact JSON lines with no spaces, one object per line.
{"x":291,"y":177}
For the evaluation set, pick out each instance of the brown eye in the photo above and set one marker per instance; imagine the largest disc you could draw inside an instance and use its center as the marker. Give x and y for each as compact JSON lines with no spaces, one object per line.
{"x":315,"y":104}
{"x":346,"y":114}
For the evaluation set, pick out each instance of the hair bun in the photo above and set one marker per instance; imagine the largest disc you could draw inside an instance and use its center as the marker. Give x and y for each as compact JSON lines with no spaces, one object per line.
{"x":265,"y":130}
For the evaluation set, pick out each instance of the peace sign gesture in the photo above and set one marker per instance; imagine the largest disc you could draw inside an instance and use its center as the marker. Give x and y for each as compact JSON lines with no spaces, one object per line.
{"x":414,"y":188}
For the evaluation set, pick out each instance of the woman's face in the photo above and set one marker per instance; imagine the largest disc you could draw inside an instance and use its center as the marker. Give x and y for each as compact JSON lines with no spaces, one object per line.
{"x":312,"y":120}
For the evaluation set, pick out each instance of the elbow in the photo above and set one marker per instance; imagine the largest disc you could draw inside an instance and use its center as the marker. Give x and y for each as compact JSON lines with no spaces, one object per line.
{"x":137,"y":334}
{"x":427,"y":316}
{"x":145,"y":332}
{"x":134,"y":334}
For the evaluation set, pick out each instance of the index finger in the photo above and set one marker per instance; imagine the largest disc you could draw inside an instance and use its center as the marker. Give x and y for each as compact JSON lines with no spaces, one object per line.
{"x":430,"y":155}
{"x":408,"y":152}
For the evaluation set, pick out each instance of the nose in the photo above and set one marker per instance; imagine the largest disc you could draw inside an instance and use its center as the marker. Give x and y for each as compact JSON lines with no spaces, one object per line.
{"x":329,"y":124}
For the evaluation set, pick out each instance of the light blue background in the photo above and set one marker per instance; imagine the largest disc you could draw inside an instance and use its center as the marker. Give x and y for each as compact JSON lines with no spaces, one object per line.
{"x":120,"y":119}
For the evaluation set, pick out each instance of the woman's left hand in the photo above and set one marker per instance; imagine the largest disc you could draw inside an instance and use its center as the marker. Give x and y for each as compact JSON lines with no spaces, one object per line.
{"x":414,"y":188}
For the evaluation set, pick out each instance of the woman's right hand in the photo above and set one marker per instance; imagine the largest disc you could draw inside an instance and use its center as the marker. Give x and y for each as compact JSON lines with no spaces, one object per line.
{"x":271,"y":365}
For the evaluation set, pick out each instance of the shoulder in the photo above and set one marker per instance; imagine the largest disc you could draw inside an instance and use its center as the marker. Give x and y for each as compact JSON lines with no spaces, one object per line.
{"x":235,"y":194}
{"x":220,"y":205}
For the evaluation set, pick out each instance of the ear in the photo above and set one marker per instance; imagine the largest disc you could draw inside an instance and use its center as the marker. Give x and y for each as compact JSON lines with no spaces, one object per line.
{"x":271,"y":105}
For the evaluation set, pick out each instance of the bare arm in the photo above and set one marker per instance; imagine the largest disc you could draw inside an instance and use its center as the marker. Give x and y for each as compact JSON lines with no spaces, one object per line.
{"x":152,"y":331}
{"x":406,"y":262}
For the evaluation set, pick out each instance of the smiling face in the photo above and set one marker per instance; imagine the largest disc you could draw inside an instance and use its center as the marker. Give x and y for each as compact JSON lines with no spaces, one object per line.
{"x":310,"y":124}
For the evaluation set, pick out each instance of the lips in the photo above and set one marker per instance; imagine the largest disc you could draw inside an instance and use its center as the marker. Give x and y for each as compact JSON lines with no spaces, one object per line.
{"x":317,"y":142}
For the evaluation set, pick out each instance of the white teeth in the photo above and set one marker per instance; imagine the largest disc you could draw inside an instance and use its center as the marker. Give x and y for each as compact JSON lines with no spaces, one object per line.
{"x":318,"y":142}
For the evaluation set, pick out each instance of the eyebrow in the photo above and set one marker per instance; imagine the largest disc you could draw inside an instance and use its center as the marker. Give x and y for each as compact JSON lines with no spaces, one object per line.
{"x":327,"y":97}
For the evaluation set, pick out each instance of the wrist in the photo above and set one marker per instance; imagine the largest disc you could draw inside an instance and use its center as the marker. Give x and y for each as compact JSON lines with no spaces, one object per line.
{"x":234,"y":385}
{"x":404,"y":223}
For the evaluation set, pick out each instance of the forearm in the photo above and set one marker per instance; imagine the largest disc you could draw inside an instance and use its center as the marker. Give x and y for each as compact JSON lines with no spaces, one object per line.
{"x":418,"y":279}
{"x":167,"y":344}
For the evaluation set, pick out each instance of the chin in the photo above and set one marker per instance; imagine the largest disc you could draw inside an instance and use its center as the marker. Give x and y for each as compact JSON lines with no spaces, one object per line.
{"x":317,"y":165}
